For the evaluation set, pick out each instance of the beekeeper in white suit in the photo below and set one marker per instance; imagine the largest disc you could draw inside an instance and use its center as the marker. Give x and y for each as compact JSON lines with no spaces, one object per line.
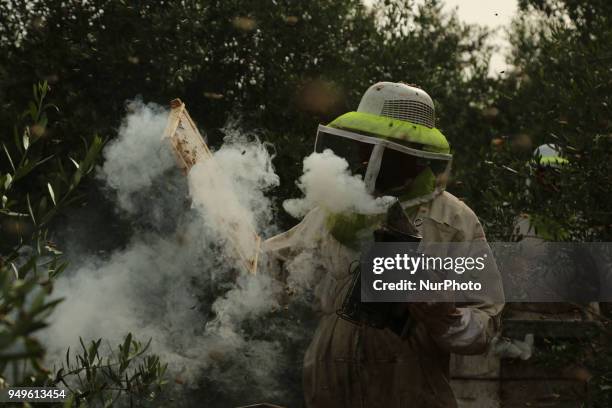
{"x":392,"y":142}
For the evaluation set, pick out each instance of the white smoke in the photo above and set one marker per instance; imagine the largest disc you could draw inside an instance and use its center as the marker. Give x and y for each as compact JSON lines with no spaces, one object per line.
{"x":128,"y":166}
{"x":328,"y":183}
{"x":183,"y":287}
{"x":228,"y":191}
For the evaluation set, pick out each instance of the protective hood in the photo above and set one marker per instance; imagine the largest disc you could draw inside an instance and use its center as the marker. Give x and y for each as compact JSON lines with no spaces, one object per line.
{"x":549,"y":155}
{"x":392,"y":143}
{"x":390,"y":165}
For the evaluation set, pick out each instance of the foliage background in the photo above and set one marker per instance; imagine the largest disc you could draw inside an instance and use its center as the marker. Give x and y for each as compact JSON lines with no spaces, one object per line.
{"x":284,"y":66}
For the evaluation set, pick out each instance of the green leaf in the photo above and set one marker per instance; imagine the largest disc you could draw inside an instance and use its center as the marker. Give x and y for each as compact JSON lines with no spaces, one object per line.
{"x":25,"y":169}
{"x":26,"y":140}
{"x":41,"y":161}
{"x":92,"y":154}
{"x":38,"y":303}
{"x":44,"y":87}
{"x":42,"y":122}
{"x":32,"y":110}
{"x":15,"y":271}
{"x":58,"y":270}
{"x":76,"y":179}
{"x":30,"y":208}
{"x":8,"y":156}
{"x":52,"y":194}
{"x":46,"y":307}
{"x":84,"y":352}
{"x":93,"y":350}
{"x":8,"y":179}
{"x":59,"y":375}
{"x":126,"y":346}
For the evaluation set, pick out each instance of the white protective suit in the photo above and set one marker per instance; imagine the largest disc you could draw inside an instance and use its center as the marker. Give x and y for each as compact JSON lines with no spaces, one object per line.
{"x":352,"y":366}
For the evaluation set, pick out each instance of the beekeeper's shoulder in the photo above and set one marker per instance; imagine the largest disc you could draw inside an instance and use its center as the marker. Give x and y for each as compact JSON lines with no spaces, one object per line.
{"x":306,"y":233}
{"x":448,"y":210}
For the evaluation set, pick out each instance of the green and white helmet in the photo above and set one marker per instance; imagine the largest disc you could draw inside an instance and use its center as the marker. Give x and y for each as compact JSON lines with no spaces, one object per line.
{"x":390,"y":136}
{"x":549,"y":155}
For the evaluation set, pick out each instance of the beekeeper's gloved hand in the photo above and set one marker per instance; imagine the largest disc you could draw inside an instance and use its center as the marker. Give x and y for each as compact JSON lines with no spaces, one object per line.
{"x":513,"y":348}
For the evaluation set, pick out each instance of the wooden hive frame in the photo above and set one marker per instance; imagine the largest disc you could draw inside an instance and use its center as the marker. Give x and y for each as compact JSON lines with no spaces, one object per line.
{"x":189,"y":148}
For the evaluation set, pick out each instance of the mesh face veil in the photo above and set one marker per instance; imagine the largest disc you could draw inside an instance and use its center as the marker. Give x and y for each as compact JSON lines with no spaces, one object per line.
{"x":387,"y":166}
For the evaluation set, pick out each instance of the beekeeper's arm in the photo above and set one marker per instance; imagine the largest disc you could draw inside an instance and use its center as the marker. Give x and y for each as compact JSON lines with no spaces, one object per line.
{"x":306,"y":234}
{"x":282,"y":249}
{"x":469,"y":327}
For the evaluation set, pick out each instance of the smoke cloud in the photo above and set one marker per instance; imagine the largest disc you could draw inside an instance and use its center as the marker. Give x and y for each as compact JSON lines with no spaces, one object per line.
{"x":178,"y":281}
{"x":328,"y":183}
{"x":128,"y":167}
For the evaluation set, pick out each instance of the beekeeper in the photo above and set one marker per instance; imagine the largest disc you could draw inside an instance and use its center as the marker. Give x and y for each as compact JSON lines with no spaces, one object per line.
{"x":545,"y":165}
{"x":580,"y":271}
{"x":392,"y":142}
